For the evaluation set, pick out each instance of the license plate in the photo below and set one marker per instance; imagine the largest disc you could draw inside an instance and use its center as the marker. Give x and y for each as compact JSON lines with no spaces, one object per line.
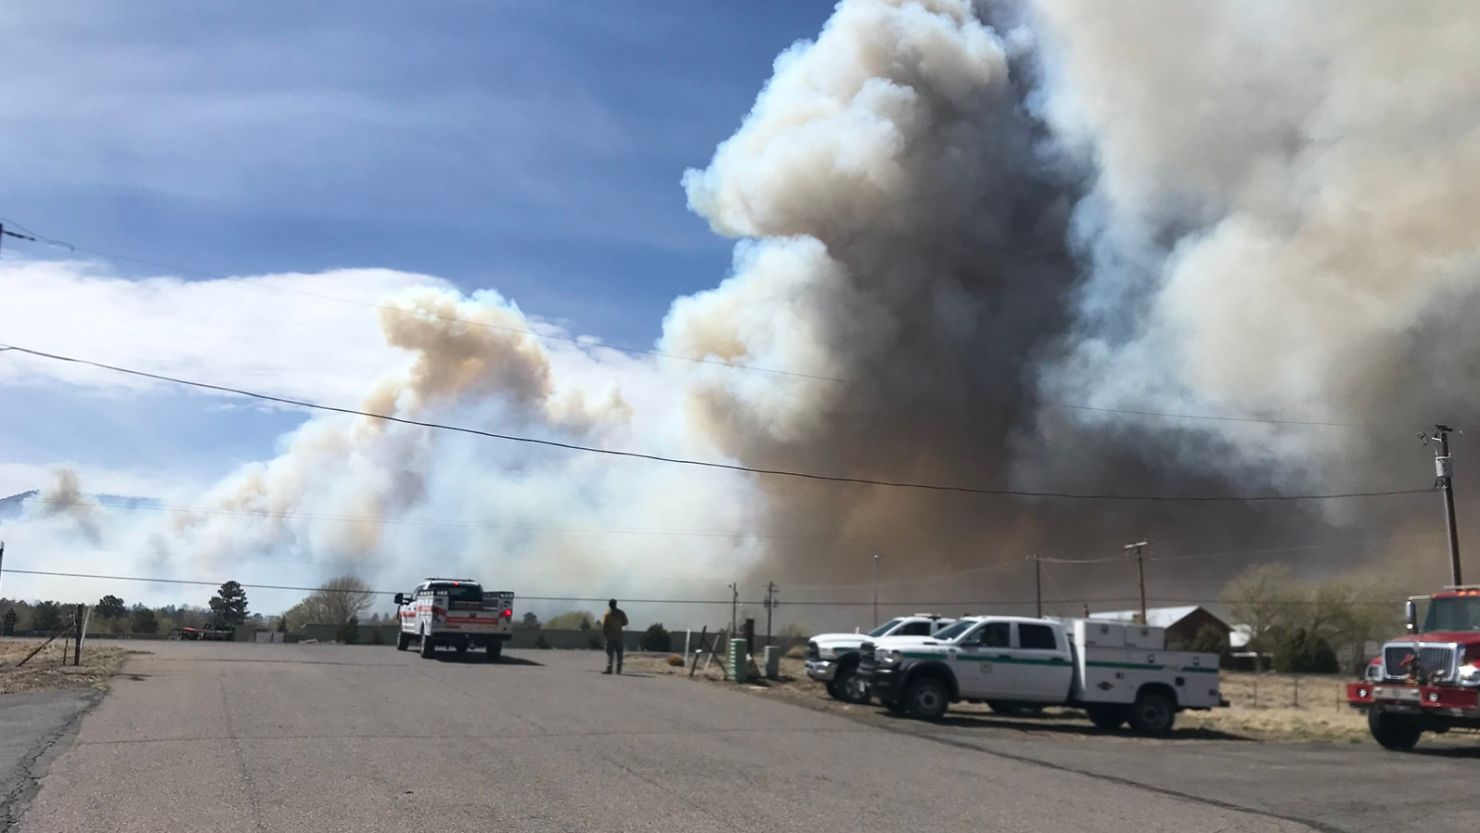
{"x":1411,"y":695}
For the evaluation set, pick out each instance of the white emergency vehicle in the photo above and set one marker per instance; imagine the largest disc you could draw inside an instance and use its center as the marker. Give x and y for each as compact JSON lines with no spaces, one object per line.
{"x":455,"y":613}
{"x":1115,"y":672}
{"x":832,"y":658}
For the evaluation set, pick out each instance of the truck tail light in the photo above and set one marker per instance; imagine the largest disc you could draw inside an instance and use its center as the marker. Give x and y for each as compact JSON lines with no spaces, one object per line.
{"x":508,"y":613}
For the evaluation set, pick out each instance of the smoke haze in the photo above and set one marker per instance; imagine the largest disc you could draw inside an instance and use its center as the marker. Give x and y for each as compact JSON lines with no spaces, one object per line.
{"x":951,"y":220}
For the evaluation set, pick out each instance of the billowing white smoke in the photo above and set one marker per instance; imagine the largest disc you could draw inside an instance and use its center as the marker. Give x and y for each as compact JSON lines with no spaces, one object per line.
{"x":952,"y":216}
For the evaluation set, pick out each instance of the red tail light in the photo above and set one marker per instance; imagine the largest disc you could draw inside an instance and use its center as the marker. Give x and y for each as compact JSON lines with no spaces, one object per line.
{"x":508,"y":613}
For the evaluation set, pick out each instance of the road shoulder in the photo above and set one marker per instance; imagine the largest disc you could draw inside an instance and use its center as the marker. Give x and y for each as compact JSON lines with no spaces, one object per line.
{"x":35,"y":727}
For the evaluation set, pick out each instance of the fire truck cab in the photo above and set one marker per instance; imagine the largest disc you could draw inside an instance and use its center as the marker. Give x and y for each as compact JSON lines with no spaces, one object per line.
{"x":1428,"y":681}
{"x":456,"y":613}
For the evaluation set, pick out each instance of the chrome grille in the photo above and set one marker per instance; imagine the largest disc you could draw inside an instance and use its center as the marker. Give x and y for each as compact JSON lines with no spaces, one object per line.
{"x":1398,"y":661}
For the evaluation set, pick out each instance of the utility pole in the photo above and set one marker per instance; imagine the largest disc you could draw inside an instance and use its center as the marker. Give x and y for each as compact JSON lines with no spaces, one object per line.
{"x":1444,"y":472}
{"x":876,"y":589}
{"x":734,"y":606}
{"x":2,"y":559}
{"x":770,"y":607}
{"x":1037,"y":583}
{"x":1139,"y":548}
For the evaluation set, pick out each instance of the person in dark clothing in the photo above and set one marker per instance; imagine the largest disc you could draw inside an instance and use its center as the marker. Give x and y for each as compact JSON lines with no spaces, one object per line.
{"x":611,"y":628}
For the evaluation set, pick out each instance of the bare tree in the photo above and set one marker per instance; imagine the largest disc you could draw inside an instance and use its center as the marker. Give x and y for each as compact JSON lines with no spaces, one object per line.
{"x":337,"y":601}
{"x":1262,"y":597}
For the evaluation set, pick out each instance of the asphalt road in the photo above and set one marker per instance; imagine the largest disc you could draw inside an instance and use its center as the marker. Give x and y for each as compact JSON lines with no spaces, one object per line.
{"x":226,"y":737}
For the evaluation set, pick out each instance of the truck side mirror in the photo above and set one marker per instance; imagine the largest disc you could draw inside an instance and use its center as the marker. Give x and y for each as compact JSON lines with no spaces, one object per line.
{"x":400,"y":598}
{"x":1410,"y":613}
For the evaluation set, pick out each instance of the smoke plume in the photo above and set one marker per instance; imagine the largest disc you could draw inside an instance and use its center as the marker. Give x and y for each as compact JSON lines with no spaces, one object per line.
{"x":968,"y":237}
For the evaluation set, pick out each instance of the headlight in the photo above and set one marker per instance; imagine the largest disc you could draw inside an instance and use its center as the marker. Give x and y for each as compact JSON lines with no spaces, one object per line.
{"x":1469,"y":675}
{"x":888,"y":657}
{"x":1374,"y":672}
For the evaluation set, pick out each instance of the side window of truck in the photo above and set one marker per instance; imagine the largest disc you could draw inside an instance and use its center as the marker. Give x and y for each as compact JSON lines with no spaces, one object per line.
{"x":914,"y":629}
{"x":995,"y":635}
{"x":1036,"y":637}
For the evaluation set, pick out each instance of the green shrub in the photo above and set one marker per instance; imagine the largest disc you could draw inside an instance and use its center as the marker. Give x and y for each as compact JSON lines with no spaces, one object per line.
{"x":656,"y":638}
{"x":542,"y":643}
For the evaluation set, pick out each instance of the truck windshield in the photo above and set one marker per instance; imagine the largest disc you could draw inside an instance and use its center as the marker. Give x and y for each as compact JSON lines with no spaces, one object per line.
{"x":884,"y":628}
{"x":1453,"y":615}
{"x":948,"y":633}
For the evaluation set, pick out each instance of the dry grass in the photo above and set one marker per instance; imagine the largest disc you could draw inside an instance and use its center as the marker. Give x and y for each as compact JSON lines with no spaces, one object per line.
{"x":45,"y":670}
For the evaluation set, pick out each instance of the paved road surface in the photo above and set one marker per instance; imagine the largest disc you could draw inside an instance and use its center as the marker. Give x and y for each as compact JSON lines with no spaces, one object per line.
{"x":226,"y":737}
{"x":31,"y":726}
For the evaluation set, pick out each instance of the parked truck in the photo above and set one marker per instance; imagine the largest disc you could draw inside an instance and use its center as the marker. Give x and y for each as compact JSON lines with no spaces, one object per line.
{"x":1116,"y":672}
{"x":1428,"y":681}
{"x":832,"y":658}
{"x":455,"y":613}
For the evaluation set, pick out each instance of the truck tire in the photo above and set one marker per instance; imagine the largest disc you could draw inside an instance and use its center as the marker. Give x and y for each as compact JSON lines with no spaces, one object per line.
{"x":1394,"y":731}
{"x":1106,"y":717}
{"x":403,"y":641}
{"x":927,"y":699}
{"x":1153,"y":713}
{"x":428,"y":648}
{"x":495,"y":650}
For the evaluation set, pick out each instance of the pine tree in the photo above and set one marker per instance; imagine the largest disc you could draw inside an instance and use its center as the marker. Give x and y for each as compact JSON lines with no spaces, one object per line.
{"x":229,"y":605}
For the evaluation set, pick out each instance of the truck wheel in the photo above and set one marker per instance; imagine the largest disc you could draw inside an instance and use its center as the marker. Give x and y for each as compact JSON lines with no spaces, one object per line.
{"x":403,"y":641}
{"x":853,"y":687}
{"x":834,"y":690}
{"x":1153,"y":713}
{"x":428,"y":648}
{"x":1106,"y":717}
{"x":1394,"y":731}
{"x":495,"y":650}
{"x":926,"y":699}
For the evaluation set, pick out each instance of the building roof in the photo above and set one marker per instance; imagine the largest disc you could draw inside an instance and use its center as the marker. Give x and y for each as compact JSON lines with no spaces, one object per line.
{"x":1156,"y":617}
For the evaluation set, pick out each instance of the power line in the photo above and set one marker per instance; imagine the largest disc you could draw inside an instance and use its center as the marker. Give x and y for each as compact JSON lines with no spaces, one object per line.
{"x":897,"y":484}
{"x":518,"y":527}
{"x":382,"y":307}
{"x":639,"y":350}
{"x":978,"y":603}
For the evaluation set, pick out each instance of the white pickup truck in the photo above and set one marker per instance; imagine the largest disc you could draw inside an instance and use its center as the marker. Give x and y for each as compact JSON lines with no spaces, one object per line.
{"x":1115,"y":672}
{"x":832,"y":658}
{"x":456,"y":613}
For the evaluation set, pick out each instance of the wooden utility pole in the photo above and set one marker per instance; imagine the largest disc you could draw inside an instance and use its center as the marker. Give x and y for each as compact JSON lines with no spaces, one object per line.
{"x":770,"y":607}
{"x":734,"y":607}
{"x":1444,"y":472}
{"x":1037,"y":583}
{"x":1139,"y":548}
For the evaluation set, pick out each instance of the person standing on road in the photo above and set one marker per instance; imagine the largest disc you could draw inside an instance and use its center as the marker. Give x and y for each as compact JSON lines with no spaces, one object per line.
{"x":611,"y":628}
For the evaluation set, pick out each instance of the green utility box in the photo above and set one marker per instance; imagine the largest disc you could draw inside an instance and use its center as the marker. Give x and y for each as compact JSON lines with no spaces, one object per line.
{"x":739,"y":662}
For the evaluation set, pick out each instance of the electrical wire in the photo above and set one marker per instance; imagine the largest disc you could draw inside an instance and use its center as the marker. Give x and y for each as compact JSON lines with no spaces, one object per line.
{"x":587,"y":343}
{"x":896,"y":484}
{"x":600,"y":599}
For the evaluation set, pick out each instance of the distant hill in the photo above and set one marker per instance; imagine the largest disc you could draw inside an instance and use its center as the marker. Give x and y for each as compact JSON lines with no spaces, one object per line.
{"x":14,"y":506}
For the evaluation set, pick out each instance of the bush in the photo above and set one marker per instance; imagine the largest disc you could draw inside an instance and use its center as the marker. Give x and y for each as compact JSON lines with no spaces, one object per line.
{"x":796,"y":652}
{"x":349,"y":632}
{"x":656,"y":638}
{"x":675,"y":660}
{"x":1298,"y":652}
{"x":542,"y":643}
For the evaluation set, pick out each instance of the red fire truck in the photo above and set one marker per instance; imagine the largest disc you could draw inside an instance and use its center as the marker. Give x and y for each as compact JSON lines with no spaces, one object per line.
{"x":1430,"y":680}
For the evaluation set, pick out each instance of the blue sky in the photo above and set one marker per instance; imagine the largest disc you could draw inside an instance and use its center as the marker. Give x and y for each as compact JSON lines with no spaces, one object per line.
{"x":531,"y":147}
